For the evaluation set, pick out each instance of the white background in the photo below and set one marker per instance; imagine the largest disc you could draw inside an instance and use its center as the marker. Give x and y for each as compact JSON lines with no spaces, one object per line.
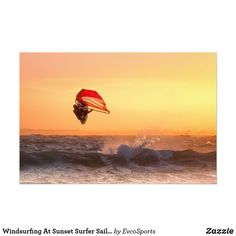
{"x":118,"y":26}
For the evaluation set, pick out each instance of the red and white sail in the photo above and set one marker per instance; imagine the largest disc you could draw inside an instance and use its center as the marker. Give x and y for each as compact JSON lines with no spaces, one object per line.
{"x":92,"y":99}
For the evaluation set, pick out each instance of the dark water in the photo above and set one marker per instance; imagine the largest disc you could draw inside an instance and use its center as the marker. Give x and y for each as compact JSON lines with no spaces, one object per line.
{"x":117,"y":159}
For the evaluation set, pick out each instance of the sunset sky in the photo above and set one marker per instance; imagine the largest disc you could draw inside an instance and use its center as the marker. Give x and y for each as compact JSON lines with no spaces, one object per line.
{"x":161,"y":92}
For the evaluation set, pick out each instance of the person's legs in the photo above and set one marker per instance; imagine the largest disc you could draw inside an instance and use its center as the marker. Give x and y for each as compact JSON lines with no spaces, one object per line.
{"x":83,"y":119}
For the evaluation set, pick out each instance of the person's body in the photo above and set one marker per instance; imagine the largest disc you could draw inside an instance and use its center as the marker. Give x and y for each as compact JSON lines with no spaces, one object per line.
{"x":81,"y":111}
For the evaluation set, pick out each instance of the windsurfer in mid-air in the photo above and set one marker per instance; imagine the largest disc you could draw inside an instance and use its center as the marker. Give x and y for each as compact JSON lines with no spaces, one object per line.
{"x":85,"y":102}
{"x":81,"y":111}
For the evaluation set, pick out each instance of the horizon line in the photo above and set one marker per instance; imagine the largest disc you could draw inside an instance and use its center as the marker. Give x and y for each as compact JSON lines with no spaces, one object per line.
{"x":113,"y":132}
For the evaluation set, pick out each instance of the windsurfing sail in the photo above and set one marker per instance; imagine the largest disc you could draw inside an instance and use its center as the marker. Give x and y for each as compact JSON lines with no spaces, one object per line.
{"x":92,"y":99}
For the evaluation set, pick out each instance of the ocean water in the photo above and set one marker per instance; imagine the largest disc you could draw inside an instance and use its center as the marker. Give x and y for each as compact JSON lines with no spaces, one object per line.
{"x":117,"y":159}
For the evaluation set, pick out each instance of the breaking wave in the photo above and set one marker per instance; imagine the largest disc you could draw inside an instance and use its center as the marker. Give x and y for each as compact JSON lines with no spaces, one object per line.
{"x":117,"y":159}
{"x":126,"y":156}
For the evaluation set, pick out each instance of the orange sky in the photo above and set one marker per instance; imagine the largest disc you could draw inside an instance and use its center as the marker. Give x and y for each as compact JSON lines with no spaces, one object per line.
{"x":166,"y":92}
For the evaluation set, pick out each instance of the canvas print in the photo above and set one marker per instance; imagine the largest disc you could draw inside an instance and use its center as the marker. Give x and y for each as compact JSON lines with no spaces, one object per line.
{"x":118,"y":118}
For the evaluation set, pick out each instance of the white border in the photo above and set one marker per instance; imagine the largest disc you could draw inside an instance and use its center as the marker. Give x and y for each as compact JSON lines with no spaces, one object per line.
{"x":118,"y":26}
